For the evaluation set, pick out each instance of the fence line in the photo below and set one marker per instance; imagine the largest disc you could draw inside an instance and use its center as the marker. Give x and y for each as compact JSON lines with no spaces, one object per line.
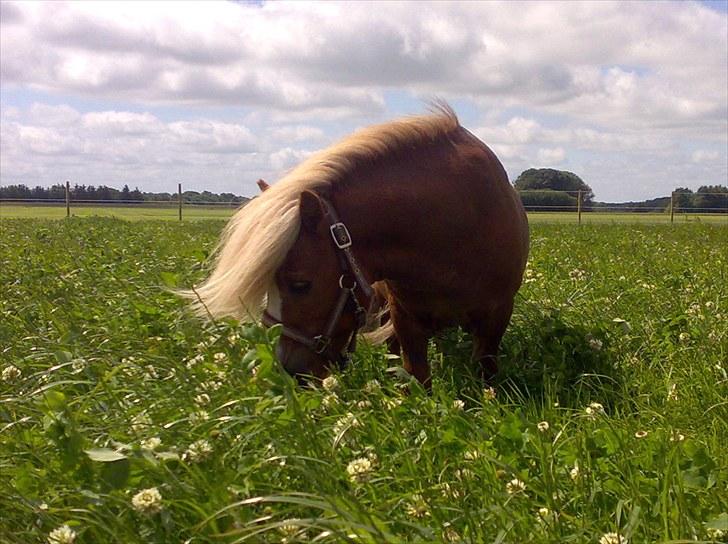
{"x":578,"y":207}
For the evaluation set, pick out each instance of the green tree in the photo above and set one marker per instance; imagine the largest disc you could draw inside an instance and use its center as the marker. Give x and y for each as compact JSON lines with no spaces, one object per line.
{"x":711,"y":198}
{"x":682,"y":198}
{"x":543,"y":179}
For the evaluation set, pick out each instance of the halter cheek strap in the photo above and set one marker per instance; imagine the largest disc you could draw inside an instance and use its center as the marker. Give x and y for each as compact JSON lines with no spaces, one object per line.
{"x":351,"y":278}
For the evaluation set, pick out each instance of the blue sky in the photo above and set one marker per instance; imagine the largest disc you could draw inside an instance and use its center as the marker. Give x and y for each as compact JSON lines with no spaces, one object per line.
{"x":631,"y":96}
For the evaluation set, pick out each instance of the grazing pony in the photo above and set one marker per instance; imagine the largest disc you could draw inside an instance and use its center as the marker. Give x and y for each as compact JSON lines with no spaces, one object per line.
{"x":418,"y":207}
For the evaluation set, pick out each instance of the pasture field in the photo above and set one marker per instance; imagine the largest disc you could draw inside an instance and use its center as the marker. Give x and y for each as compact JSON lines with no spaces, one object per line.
{"x":190,"y":212}
{"x":127,"y":420}
{"x":130,"y":213}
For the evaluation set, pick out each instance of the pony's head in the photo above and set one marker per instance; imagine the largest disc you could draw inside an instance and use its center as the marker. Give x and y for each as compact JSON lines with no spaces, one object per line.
{"x":312,"y":297}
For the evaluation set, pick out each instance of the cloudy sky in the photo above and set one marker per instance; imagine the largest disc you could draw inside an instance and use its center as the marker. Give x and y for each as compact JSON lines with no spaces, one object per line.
{"x":631,"y":96}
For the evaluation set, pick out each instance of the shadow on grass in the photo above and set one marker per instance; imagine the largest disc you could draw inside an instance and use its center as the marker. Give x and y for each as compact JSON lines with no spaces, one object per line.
{"x":542,"y":356}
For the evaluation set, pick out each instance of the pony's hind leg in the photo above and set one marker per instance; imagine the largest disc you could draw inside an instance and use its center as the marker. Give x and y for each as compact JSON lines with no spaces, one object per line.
{"x":412,"y":339}
{"x":488,"y":331}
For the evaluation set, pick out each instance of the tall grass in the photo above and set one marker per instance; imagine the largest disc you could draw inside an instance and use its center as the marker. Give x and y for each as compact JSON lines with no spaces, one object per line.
{"x":608,"y":422}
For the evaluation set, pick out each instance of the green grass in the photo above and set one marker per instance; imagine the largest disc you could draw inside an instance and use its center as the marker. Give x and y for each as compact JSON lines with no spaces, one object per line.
{"x":630,"y":317}
{"x":130,"y":213}
{"x":137,"y":213}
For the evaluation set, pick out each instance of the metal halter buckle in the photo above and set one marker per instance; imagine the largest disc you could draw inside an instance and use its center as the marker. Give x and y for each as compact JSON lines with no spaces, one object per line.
{"x":341,"y":235}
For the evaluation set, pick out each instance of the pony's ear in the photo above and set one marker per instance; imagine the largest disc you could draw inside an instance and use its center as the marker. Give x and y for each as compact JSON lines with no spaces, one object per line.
{"x":311,"y":210}
{"x":262,"y":185}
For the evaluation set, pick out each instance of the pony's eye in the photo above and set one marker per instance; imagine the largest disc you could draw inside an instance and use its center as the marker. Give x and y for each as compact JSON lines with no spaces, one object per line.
{"x":300,"y":287}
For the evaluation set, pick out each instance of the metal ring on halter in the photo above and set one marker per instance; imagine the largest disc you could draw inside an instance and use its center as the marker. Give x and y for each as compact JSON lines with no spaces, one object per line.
{"x":320,"y":344}
{"x":353,"y":282}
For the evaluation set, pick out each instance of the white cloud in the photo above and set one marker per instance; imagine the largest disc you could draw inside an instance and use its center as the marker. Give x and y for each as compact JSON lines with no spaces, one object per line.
{"x":550,"y":156}
{"x":702,"y":155}
{"x":606,"y":60}
{"x":636,"y":88}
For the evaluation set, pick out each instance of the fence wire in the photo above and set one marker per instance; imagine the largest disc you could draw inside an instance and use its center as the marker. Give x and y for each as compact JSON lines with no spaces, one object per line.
{"x":672,"y":207}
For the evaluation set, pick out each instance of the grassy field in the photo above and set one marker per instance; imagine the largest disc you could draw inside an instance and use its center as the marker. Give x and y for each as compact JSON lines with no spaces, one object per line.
{"x":126,"y":420}
{"x":130,"y":213}
{"x":137,"y":213}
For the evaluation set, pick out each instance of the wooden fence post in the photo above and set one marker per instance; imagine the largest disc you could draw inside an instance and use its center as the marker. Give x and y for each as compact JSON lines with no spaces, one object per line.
{"x":68,"y":199}
{"x":672,"y":207}
{"x":179,"y":199}
{"x":578,"y":205}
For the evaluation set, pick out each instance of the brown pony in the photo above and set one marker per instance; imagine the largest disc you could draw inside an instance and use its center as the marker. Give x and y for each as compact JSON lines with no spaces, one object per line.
{"x":418,"y":207}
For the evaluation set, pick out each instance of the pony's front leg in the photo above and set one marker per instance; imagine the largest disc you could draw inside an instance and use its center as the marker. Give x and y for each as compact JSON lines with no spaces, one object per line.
{"x":413,"y":340}
{"x":487,"y":334}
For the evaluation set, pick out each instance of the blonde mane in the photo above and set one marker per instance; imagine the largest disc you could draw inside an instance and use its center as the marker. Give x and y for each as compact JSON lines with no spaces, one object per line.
{"x":258,"y":237}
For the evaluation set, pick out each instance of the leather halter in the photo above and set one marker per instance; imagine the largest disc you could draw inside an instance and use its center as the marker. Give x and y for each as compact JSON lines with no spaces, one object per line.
{"x":351,"y":278}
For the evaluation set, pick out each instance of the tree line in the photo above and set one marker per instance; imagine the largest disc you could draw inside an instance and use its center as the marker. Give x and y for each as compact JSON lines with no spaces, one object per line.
{"x":546,"y":189}
{"x":541,"y":189}
{"x":102,"y":192}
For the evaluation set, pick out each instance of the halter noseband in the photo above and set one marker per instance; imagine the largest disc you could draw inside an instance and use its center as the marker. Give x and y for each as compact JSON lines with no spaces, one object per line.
{"x":351,"y":278}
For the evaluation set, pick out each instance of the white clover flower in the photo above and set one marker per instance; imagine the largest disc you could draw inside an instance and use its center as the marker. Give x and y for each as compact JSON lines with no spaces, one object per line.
{"x":147,"y":501}
{"x":450,"y":492}
{"x":574,"y":473}
{"x":202,"y":399}
{"x":62,"y":535}
{"x":458,"y":405}
{"x":693,"y":309}
{"x":471,"y":455}
{"x":198,"y":451}
{"x":612,"y":538}
{"x":594,"y":343}
{"x":640,"y":434}
{"x":543,"y":426}
{"x":577,"y":274}
{"x":78,"y":365}
{"x":211,"y":385}
{"x":197,"y":359}
{"x":329,"y":401}
{"x":151,"y":444}
{"x":345,"y":422}
{"x":684,"y":337}
{"x":449,"y":534}
{"x":515,"y":486}
{"x":288,"y":530}
{"x":360,"y":470}
{"x":716,"y":534}
{"x":140,"y":422}
{"x":220,"y":357}
{"x":489,"y":394}
{"x":198,"y":417}
{"x":710,"y":305}
{"x":672,"y":394}
{"x":594,"y":409}
{"x":364,"y":404}
{"x":234,"y":339}
{"x":390,"y":403}
{"x":544,"y":515}
{"x":11,"y":373}
{"x":330,"y":383}
{"x":464,"y":474}
{"x":372,"y":387}
{"x":418,"y":507}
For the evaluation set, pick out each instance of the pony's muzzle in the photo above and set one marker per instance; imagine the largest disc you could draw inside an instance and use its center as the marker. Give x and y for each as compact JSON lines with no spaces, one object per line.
{"x":299,"y":361}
